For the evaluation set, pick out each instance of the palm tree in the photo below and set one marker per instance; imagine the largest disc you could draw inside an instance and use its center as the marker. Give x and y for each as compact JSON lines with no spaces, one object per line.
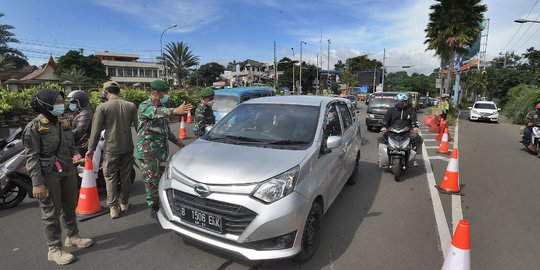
{"x":5,"y":64}
{"x":180,"y":59}
{"x":75,"y":76}
{"x":453,"y":27}
{"x":6,"y":36}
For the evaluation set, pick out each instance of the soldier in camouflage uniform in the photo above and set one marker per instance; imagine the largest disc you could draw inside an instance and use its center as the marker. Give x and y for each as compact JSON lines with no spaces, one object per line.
{"x":153,"y":131}
{"x":204,"y":116}
{"x":50,"y":151}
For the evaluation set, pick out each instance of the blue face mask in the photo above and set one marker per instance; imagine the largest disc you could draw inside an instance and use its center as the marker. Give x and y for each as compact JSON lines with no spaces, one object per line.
{"x":164,"y":99}
{"x":400,"y":105}
{"x":58,"y":109}
{"x":73,"y":107}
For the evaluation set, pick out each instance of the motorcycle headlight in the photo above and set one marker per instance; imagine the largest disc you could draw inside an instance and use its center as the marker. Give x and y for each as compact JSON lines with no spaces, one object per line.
{"x":277,"y":187}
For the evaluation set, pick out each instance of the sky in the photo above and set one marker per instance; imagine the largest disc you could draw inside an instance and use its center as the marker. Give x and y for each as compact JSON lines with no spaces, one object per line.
{"x":225,"y":30}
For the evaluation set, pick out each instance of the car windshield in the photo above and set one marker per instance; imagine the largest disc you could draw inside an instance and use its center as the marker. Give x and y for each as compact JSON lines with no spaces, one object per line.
{"x":484,"y":106}
{"x":224,"y":103}
{"x":268,"y":125}
{"x":381,"y":102}
{"x":351,"y":98}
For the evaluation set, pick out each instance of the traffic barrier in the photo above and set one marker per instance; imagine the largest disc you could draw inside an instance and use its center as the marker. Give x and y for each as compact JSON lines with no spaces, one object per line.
{"x":443,"y":146}
{"x":182,"y":134}
{"x":189,"y":119}
{"x":459,"y":257}
{"x":441,"y":131}
{"x":88,"y":206}
{"x":450,"y":182}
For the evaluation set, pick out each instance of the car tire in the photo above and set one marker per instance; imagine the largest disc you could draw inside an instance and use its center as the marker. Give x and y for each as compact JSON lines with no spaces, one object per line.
{"x":312,"y":234}
{"x":369,"y":128}
{"x":354,"y":175}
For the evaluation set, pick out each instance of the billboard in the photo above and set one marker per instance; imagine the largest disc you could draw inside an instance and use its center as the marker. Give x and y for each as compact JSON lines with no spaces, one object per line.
{"x":368,"y":77}
{"x":465,"y":62}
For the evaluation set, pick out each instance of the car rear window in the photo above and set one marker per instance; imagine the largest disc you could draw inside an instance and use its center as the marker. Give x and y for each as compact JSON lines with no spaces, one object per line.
{"x":381,"y":102}
{"x":224,"y":103}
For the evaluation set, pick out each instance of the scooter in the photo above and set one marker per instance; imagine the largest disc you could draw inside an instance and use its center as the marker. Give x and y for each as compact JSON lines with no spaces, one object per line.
{"x":535,"y":140}
{"x":398,"y":152}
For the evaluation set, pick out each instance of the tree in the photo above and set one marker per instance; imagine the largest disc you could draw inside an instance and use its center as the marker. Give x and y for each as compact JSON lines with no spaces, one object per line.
{"x":361,"y":63}
{"x":90,"y":65}
{"x":11,"y":57}
{"x":348,"y":78}
{"x":18,"y":61}
{"x":231,"y":66}
{"x":339,"y":66}
{"x":210,"y":72}
{"x":5,"y":64}
{"x":179,"y":59}
{"x":75,"y":76}
{"x":454,"y":26}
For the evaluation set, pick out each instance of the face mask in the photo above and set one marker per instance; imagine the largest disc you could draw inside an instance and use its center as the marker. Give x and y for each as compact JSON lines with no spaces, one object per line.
{"x":58,"y":109}
{"x":73,"y":107}
{"x":164,"y":99}
{"x":210,"y":103}
{"x":400,"y":105}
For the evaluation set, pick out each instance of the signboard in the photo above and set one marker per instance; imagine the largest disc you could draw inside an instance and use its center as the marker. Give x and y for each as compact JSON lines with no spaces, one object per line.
{"x":438,"y":83}
{"x":362,"y":89}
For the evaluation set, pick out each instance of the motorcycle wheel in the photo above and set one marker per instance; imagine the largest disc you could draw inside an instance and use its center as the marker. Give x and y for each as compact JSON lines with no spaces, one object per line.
{"x":11,"y":196}
{"x":396,"y":169}
{"x":538,"y":149}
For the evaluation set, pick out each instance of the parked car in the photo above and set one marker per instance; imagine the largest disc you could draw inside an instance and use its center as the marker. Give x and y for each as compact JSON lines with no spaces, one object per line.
{"x":258,"y":183}
{"x":379,"y":104}
{"x":484,"y":111}
{"x":424,"y":102}
{"x":226,"y":99}
{"x":352,"y":98}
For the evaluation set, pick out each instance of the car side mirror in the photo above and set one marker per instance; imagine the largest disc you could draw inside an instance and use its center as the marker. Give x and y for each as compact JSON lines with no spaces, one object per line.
{"x":470,"y":108}
{"x":333,"y":142}
{"x":498,"y":109}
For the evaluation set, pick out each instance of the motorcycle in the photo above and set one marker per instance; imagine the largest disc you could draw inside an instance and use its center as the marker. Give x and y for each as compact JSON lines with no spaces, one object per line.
{"x":535,"y":141}
{"x":398,"y":152}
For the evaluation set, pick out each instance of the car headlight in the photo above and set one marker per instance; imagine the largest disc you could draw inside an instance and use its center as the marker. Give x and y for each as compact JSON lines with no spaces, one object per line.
{"x":277,"y":187}
{"x":370,"y":115}
{"x":474,"y":111}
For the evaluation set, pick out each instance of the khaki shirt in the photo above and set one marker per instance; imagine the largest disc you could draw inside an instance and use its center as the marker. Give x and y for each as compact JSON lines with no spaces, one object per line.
{"x":116,"y":117}
{"x":45,"y":139}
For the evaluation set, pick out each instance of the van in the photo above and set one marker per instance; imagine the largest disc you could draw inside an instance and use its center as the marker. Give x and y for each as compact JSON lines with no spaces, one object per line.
{"x":379,"y":103}
{"x":227,"y":99}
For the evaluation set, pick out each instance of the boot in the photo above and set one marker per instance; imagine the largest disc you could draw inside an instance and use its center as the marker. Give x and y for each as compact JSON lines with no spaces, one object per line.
{"x":59,"y":256}
{"x":124,"y":207}
{"x":77,"y":241}
{"x":154,"y":210}
{"x":115,"y":212}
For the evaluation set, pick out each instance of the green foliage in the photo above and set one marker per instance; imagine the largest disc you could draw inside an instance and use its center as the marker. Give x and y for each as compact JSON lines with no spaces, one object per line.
{"x":210,"y":72}
{"x":90,"y":65}
{"x":136,"y":96}
{"x":19,"y":102}
{"x":180,"y":58}
{"x":521,"y":100}
{"x":401,"y":81}
{"x":362,"y":63}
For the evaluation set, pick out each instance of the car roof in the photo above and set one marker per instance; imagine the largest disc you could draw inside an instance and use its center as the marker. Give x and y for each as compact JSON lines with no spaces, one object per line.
{"x":485,"y":102}
{"x":241,"y":90}
{"x":296,"y":99}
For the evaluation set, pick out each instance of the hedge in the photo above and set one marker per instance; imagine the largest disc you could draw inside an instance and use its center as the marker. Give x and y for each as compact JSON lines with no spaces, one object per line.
{"x":521,"y":100}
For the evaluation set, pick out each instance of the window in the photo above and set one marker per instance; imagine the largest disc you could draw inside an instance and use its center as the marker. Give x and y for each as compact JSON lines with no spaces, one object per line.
{"x":154,"y":73}
{"x":148,"y":73}
{"x":332,"y":127}
{"x":120,"y":72}
{"x":111,"y":71}
{"x":135,"y":72}
{"x":128,"y":72}
{"x":345,"y":115}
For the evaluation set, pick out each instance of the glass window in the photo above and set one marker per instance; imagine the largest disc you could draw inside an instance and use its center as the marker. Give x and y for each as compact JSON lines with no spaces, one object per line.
{"x":120,"y":72}
{"x":111,"y":71}
{"x":332,"y":124}
{"x":224,"y":103}
{"x":345,"y":115}
{"x":128,"y":72}
{"x":485,"y":106}
{"x":154,"y":73}
{"x":141,"y":72}
{"x":135,"y":72}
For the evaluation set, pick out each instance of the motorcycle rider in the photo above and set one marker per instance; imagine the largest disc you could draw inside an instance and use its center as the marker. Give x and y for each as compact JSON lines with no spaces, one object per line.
{"x":533,"y":119}
{"x":81,"y":121}
{"x":402,"y":111}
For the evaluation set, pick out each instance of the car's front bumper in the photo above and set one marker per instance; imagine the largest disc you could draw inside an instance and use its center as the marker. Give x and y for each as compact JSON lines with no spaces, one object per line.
{"x":272,"y":220}
{"x":492,"y":118}
{"x":374,"y":122}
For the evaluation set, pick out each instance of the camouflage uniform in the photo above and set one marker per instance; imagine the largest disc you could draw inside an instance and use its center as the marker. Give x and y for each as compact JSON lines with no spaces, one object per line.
{"x":152,"y":150}
{"x":204,"y":116}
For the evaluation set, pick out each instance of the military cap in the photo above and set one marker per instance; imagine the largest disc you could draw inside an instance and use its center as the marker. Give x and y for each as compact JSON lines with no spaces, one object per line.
{"x":159,"y":85}
{"x":207,"y":92}
{"x":110,"y":84}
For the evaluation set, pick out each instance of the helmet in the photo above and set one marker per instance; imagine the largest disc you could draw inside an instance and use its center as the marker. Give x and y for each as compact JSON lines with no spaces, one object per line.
{"x":401,"y":97}
{"x":81,"y":98}
{"x":538,"y":106}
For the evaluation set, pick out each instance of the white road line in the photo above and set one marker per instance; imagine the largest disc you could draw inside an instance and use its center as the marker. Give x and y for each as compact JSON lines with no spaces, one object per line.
{"x":439,"y":157}
{"x":440,"y":218}
{"x":457,"y":211}
{"x":433,"y":140}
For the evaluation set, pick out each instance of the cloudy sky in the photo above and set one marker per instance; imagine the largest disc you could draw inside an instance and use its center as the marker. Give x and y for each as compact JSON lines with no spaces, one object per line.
{"x":226,"y":30}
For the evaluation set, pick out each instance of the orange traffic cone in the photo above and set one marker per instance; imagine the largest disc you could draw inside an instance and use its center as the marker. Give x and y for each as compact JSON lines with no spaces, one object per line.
{"x":189,"y":120}
{"x":450,"y":182}
{"x":441,"y":132}
{"x":182,"y":134}
{"x":459,"y":257}
{"x":443,"y":146}
{"x":88,"y":206}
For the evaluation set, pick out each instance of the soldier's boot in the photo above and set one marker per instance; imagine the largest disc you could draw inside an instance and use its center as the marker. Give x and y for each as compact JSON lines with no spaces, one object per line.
{"x":124,"y":207}
{"x":154,"y":210}
{"x":77,"y":241}
{"x":59,"y":256}
{"x":115,"y":212}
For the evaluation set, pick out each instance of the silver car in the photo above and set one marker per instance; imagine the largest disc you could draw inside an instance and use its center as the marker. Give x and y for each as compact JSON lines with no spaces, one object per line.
{"x":257,"y":184}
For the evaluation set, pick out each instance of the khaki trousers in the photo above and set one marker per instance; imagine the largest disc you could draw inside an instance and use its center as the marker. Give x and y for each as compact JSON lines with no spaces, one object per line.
{"x":117,"y":167}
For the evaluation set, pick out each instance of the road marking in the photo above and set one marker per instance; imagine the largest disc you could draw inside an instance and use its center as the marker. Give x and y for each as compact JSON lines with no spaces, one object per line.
{"x":457,"y":210}
{"x":433,"y":140}
{"x":440,"y":218}
{"x":439,"y":157}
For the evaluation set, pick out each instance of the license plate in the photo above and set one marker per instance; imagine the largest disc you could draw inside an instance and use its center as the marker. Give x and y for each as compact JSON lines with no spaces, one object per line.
{"x":202,"y":219}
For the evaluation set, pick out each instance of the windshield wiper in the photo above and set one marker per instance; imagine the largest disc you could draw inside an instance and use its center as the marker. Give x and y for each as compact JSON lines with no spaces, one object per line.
{"x":287,"y":142}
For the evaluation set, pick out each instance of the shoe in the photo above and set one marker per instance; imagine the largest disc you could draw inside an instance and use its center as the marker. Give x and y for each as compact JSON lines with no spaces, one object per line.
{"x":115,"y":212}
{"x":77,"y":241}
{"x":415,"y":163}
{"x":153,"y":211}
{"x":59,"y":256}
{"x":124,"y":207}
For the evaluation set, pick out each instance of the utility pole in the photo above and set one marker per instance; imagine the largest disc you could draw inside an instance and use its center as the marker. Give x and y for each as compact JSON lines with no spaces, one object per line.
{"x":275,"y":68}
{"x":328,"y":65}
{"x":383,"y":69}
{"x":321,"y":54}
{"x":374,"y":77}
{"x":293,"y":68}
{"x":505,"y":55}
{"x":161,"y":47}
{"x":300,"y":86}
{"x":317,"y":77}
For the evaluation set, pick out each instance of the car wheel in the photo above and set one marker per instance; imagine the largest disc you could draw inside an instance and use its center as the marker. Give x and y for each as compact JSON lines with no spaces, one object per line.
{"x":354,"y":174}
{"x":369,"y":128}
{"x":312,"y":233}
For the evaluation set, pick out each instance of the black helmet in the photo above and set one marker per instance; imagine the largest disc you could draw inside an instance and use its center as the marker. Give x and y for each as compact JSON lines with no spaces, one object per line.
{"x":81,"y":98}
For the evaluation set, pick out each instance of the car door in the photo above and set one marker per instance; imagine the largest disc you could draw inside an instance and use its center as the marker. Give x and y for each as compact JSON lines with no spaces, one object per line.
{"x":347,"y":140}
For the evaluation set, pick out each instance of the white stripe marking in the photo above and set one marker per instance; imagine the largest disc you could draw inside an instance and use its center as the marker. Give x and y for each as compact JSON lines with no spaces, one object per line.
{"x":457,"y":211}
{"x":440,"y":158}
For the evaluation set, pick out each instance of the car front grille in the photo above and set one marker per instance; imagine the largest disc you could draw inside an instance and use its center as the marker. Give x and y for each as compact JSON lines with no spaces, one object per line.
{"x":379,"y":116}
{"x":236,"y":218}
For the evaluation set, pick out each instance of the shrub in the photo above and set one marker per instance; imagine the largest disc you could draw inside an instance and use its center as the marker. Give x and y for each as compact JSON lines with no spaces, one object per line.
{"x":521,"y":100}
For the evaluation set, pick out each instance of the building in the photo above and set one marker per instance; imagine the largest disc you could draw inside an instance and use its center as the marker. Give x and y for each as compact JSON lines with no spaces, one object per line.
{"x":249,"y":72}
{"x":127,"y":71}
{"x":29,"y":76}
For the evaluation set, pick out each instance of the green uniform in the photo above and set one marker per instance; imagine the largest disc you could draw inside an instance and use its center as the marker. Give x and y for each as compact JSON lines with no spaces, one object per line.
{"x":45,"y":141}
{"x":152,"y":149}
{"x":204,"y":116}
{"x":115,"y":117}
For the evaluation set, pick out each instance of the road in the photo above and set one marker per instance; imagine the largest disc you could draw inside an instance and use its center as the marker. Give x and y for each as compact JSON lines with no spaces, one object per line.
{"x":375,"y":224}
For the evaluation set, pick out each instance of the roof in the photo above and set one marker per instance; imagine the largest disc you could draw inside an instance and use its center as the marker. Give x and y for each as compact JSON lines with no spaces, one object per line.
{"x":51,"y":64}
{"x":239,"y":90}
{"x":106,"y":53}
{"x":252,"y":63}
{"x":17,"y":74}
{"x":297,"y":100}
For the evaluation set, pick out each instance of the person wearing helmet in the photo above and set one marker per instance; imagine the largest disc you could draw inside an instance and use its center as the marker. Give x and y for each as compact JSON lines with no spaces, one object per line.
{"x":50,"y":152}
{"x":81,"y":121}
{"x":533,"y":119}
{"x":153,"y":132}
{"x":402,"y":113}
{"x":204,"y":116}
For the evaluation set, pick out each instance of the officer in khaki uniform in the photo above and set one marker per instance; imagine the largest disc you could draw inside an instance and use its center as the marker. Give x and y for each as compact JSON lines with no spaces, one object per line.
{"x":116,"y":117}
{"x":50,"y":151}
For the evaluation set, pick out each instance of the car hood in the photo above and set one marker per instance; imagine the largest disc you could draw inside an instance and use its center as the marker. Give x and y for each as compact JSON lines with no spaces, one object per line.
{"x":485,"y":110}
{"x":228,"y":164}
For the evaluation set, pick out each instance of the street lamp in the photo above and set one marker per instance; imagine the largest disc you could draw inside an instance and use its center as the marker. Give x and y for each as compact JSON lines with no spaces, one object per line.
{"x":526,"y":21}
{"x":161,"y":47}
{"x":293,"y":82}
{"x":301,"y":43}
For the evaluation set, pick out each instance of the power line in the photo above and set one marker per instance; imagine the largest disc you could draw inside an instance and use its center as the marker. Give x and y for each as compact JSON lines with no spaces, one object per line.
{"x":523,"y":44}
{"x":521,"y":25}
{"x":528,"y":28}
{"x":76,"y":47}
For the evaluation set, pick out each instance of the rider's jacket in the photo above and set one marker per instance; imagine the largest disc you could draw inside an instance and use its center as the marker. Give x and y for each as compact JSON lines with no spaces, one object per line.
{"x":393,"y":115}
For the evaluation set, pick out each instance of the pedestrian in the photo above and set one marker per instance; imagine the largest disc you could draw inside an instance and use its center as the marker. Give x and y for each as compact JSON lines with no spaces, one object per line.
{"x":153,"y":132}
{"x":50,"y":152}
{"x":116,"y":116}
{"x":204,"y":116}
{"x":444,"y":106}
{"x":81,"y":121}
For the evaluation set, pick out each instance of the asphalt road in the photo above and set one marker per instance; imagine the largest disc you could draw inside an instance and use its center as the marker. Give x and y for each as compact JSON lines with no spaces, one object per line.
{"x":375,"y":224}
